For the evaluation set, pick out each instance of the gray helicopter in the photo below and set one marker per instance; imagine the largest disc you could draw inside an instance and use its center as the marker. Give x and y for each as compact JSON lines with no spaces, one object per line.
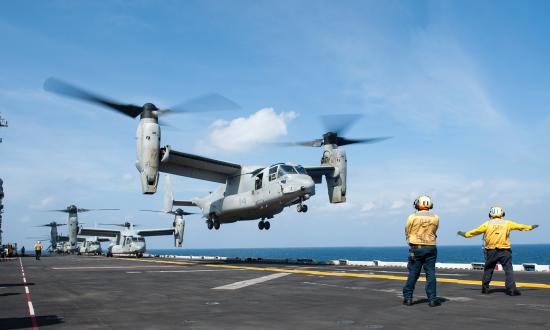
{"x":127,"y":241}
{"x":72,"y":226}
{"x":246,"y":192}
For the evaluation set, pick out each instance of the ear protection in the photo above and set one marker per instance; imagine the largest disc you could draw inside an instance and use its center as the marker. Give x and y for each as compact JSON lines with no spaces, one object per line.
{"x":424,"y":201}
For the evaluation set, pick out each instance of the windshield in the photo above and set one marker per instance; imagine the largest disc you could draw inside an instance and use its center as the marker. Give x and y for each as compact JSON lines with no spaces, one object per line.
{"x":300,"y":170}
{"x":286,"y":169}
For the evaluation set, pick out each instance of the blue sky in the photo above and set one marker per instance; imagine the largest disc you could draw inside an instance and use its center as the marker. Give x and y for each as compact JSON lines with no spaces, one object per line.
{"x":462,"y":87}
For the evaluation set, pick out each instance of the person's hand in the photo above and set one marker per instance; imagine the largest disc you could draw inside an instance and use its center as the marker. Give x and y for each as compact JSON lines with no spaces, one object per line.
{"x":534,"y":226}
{"x":461,"y":233}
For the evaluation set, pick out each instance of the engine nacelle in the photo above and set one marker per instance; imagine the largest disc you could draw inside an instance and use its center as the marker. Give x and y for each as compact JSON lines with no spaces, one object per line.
{"x":147,"y":154}
{"x":179,"y":227}
{"x":336,"y":185}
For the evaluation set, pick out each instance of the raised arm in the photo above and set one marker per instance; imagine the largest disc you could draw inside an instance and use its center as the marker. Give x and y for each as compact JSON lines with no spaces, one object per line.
{"x":518,"y":226}
{"x":479,"y":230}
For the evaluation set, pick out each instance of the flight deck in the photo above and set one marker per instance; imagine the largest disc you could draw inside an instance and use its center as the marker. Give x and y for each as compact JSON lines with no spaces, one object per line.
{"x":76,"y":292}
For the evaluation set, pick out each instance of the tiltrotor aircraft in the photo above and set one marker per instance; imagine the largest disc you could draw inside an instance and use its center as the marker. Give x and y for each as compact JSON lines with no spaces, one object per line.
{"x":55,"y":239}
{"x":178,"y":223}
{"x":91,"y":245}
{"x":246,"y":192}
{"x":72,"y":225}
{"x":128,"y":241}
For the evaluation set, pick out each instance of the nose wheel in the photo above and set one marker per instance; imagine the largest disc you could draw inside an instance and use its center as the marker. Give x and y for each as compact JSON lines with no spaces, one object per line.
{"x":301,"y":208}
{"x":264,"y":225}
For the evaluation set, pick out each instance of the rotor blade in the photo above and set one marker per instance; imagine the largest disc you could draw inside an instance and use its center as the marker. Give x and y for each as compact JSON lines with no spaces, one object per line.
{"x":169,"y":212}
{"x":57,"y":86}
{"x":88,"y":210}
{"x":204,"y":103}
{"x":63,"y":210}
{"x":339,"y":123}
{"x":344,"y":141}
{"x":312,"y":143}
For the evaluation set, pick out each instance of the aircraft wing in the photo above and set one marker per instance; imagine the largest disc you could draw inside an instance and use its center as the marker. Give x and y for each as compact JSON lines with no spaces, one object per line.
{"x":98,"y":232}
{"x":197,"y":167}
{"x":184,"y":203}
{"x":62,"y":238}
{"x":317,"y":172}
{"x":156,"y":232}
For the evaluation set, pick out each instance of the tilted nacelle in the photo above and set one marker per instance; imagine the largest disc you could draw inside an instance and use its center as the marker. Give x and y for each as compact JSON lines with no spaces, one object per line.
{"x":336,"y":184}
{"x":148,"y":146}
{"x":179,"y":227}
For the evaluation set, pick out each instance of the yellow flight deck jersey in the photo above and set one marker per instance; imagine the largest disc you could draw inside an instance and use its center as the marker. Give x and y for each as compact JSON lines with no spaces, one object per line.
{"x":38,"y":247}
{"x":497,"y":232}
{"x":421,"y":228}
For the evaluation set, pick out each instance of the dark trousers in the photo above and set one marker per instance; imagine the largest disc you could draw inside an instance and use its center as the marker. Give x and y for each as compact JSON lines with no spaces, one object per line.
{"x":418,"y":258}
{"x":37,"y":254}
{"x":503,"y":257}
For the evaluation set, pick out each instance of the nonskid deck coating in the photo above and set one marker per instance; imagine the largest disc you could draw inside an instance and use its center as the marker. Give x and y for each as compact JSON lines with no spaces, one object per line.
{"x":74,"y":292}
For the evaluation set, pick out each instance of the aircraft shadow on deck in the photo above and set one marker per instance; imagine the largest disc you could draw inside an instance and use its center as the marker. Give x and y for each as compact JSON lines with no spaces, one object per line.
{"x":25,"y":322}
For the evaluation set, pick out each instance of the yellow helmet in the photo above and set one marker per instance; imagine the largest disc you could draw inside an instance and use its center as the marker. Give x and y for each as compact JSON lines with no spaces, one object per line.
{"x":423,"y":202}
{"x":496,"y":212}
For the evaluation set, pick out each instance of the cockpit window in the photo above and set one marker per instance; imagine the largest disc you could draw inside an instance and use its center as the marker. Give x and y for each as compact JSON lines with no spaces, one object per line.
{"x":138,"y":239}
{"x":286,"y":169}
{"x":300,"y":170}
{"x":273,"y":173}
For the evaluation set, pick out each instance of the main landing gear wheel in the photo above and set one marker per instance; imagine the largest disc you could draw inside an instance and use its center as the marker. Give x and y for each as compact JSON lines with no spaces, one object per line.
{"x":267,"y":225}
{"x":261,"y":225}
{"x":210,"y":224}
{"x":301,"y":208}
{"x":216,"y":225}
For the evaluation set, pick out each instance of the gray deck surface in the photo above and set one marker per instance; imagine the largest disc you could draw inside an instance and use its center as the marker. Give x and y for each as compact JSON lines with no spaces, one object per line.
{"x":72,"y":292}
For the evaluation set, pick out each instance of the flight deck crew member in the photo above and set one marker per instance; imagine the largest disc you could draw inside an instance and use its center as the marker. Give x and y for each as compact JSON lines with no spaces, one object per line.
{"x":38,"y":250}
{"x":420,"y":232}
{"x":497,"y":247}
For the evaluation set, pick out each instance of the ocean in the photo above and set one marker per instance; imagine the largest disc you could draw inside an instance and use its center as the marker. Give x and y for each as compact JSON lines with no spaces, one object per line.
{"x":528,"y":253}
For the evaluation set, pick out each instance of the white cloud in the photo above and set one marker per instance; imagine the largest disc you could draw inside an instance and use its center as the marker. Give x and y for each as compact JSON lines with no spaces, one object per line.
{"x":244,"y":133}
{"x":43,"y":203}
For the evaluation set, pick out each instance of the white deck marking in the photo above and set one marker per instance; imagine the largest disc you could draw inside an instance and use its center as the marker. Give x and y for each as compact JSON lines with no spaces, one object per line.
{"x":31,"y":309}
{"x":186,"y":271}
{"x":242,"y":284}
{"x":115,"y":267}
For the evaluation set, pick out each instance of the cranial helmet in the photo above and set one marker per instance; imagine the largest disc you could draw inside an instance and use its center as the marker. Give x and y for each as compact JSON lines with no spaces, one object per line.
{"x":423,"y":202}
{"x":496,"y":212}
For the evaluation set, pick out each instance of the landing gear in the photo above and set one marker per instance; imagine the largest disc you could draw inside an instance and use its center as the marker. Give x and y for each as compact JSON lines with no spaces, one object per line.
{"x":301,"y":207}
{"x":212,"y":222}
{"x":264,"y":225}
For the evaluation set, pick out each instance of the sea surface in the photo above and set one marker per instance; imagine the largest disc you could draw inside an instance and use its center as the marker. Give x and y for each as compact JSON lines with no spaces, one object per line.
{"x":528,"y":253}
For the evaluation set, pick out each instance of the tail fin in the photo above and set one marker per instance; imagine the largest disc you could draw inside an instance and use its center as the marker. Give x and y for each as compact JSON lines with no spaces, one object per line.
{"x":168,"y":196}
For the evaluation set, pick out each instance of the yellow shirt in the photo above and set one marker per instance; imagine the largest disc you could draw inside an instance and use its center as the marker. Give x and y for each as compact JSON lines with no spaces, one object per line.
{"x":38,"y":247}
{"x":497,"y":233}
{"x":421,"y":228}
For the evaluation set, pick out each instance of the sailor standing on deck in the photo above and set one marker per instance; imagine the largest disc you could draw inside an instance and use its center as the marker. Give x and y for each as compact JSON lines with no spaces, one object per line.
{"x":420,"y":232}
{"x":497,"y":247}
{"x":38,"y":250}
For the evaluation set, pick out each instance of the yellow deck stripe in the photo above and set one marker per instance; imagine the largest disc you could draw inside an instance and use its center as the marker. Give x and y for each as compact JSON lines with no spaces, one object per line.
{"x":356,"y":275}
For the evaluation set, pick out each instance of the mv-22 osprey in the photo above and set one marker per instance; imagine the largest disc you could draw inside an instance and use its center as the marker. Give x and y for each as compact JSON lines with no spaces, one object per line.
{"x":246,"y":192}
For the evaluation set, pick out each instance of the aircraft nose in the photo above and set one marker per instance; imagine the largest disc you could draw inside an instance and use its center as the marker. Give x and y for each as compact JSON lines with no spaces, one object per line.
{"x":308,"y":185}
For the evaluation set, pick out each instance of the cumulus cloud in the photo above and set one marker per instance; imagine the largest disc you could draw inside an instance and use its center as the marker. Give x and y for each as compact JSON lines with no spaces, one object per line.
{"x":244,"y":133}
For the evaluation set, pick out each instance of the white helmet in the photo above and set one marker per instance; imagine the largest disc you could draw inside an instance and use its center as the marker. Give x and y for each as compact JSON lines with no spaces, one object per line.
{"x":496,"y":212}
{"x":423,"y":202}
